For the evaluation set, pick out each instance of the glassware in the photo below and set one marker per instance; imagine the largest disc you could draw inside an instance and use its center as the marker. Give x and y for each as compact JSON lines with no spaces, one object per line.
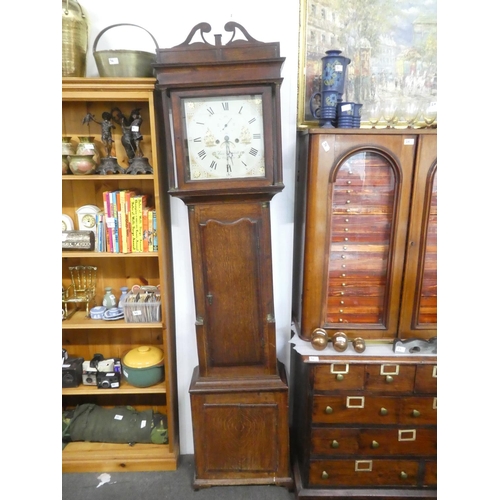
{"x":389,"y":112}
{"x":371,"y":113}
{"x":411,"y":112}
{"x":109,"y":300}
{"x":429,"y":113}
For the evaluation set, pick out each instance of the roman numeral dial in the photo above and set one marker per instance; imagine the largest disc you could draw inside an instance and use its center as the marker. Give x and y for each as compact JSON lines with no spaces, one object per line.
{"x":224,"y":137}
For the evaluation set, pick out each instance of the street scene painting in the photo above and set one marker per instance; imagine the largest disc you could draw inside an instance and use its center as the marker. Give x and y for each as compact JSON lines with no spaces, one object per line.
{"x":392,"y":45}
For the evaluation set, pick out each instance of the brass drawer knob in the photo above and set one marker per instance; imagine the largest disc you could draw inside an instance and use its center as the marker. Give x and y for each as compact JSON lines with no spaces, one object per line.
{"x":340,"y":377}
{"x":328,"y":410}
{"x":335,"y":444}
{"x":403,"y":475}
{"x":324,"y":475}
{"x":389,"y":379}
{"x":375,"y":444}
{"x":415,"y":413}
{"x":384,"y":411}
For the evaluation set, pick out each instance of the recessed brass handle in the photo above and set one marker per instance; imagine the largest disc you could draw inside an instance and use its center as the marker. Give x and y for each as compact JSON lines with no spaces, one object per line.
{"x":375,"y":444}
{"x":328,"y":410}
{"x":324,"y":475}
{"x":415,"y":413}
{"x":384,"y":411}
{"x":403,"y":475}
{"x":335,"y":444}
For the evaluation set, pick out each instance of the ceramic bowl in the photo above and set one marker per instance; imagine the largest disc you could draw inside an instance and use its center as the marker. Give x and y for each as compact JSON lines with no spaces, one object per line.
{"x":97,"y":312}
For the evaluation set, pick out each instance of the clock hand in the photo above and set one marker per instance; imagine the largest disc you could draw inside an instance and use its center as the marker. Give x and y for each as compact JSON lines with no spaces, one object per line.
{"x":229,"y":154}
{"x":227,"y":123}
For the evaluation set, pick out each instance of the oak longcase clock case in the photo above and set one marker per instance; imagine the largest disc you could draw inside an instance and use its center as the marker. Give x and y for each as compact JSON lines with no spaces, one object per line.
{"x":221,"y":124}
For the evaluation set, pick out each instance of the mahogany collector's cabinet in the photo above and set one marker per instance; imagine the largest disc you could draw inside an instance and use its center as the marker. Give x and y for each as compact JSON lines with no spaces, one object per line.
{"x":364,"y":422}
{"x":84,"y":337}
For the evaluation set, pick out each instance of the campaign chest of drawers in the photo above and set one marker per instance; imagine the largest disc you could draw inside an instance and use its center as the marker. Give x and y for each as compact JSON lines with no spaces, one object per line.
{"x":364,"y":426}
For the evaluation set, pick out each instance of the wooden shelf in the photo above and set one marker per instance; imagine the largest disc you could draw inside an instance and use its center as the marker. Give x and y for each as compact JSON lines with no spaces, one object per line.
{"x":125,"y":388}
{"x":84,"y":337}
{"x":114,"y":177}
{"x":105,"y":255}
{"x":117,"y":457}
{"x":80,"y":322}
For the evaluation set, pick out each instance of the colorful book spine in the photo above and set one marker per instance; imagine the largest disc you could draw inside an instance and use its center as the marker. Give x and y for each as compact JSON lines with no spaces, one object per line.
{"x":150,"y":229}
{"x":114,"y":212}
{"x":100,"y":244}
{"x":123,"y":222}
{"x":119,"y":219}
{"x":128,"y":220}
{"x":138,"y":205}
{"x":136,"y":223}
{"x":154,"y":232}
{"x":145,"y":229}
{"x":106,"y":195}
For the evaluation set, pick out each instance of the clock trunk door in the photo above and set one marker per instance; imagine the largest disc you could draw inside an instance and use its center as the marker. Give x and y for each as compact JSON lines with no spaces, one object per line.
{"x":231,"y":254}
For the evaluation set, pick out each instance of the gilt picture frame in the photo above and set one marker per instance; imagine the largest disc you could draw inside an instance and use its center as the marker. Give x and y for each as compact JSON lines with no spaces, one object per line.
{"x":392,"y":45}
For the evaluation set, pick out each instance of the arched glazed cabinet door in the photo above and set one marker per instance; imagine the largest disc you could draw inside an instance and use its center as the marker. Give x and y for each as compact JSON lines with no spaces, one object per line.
{"x":419,"y":303}
{"x":358,"y":204}
{"x":364,"y":208}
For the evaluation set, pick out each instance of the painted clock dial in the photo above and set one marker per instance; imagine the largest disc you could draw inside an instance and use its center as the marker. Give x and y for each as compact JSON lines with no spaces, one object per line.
{"x":224,"y":137}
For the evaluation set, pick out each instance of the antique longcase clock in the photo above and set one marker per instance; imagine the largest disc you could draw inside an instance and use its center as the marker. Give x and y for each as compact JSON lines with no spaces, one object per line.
{"x":221,"y":123}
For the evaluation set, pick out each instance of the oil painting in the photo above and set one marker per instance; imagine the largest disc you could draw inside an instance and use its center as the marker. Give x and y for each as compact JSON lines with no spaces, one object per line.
{"x":391,"y":44}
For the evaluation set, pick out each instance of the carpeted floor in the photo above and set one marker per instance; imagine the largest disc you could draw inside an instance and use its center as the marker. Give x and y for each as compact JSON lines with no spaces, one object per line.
{"x":172,"y":485}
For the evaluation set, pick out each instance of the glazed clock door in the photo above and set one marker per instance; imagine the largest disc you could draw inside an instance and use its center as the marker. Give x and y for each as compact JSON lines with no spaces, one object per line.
{"x":362,"y":188}
{"x":232,"y":272}
{"x":419,"y":304}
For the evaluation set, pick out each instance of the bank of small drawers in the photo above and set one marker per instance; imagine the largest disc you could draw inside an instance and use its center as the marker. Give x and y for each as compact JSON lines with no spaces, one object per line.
{"x":372,"y":425}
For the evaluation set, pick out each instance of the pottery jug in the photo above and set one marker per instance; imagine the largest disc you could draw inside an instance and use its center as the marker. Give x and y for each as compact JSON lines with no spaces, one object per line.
{"x":334,"y":70}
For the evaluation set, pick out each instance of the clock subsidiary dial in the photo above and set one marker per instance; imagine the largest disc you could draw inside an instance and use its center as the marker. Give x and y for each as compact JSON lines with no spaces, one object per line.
{"x":225,"y":137}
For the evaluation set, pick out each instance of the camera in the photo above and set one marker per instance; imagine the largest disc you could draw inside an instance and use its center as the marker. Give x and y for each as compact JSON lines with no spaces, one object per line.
{"x":108,"y":380}
{"x":72,"y":372}
{"x":107,"y":372}
{"x":89,"y":374}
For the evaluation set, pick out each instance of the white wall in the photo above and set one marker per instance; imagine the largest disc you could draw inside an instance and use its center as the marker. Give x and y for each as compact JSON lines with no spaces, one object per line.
{"x":267,"y":21}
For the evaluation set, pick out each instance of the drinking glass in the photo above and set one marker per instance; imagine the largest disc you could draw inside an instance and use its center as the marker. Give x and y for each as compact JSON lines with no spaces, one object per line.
{"x":371,"y":113}
{"x":389,"y":112}
{"x":410,"y":112}
{"x":429,"y":113}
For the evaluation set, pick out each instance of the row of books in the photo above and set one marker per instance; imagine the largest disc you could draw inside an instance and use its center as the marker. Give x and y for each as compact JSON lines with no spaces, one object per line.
{"x":127,"y":224}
